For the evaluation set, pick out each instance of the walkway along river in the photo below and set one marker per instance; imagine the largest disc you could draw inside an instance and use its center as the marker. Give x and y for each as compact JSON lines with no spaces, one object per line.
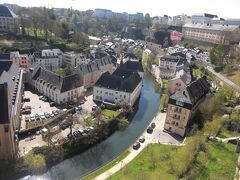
{"x":81,"y":165}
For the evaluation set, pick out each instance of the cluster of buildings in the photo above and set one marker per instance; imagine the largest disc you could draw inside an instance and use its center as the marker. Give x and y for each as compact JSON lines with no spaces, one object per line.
{"x":105,"y":13}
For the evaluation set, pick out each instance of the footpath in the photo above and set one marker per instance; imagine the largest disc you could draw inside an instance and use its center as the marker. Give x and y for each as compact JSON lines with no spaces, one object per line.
{"x":158,"y":136}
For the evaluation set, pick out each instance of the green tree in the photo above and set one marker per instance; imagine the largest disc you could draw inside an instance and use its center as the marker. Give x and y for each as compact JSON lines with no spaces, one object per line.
{"x":217,"y":54}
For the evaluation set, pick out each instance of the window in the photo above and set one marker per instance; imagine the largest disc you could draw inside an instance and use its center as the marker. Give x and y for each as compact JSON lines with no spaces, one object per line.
{"x":106,"y":93}
{"x":124,"y":96}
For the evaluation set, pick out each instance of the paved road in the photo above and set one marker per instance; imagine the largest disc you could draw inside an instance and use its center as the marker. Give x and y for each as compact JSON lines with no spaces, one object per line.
{"x":224,"y":79}
{"x":158,"y":136}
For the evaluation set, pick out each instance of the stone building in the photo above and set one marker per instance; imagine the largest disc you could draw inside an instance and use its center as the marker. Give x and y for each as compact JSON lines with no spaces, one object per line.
{"x":8,"y":20}
{"x":183,"y":104}
{"x":10,"y":103}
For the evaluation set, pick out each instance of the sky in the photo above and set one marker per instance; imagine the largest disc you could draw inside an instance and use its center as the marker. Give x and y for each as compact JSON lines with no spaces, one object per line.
{"x":222,"y":8}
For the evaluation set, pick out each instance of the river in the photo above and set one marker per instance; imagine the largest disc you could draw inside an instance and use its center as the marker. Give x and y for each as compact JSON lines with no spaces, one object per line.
{"x":101,"y":154}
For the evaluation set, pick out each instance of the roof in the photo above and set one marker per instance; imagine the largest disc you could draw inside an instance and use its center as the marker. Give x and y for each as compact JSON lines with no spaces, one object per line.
{"x":4,"y":112}
{"x":184,"y":76}
{"x":170,"y":58}
{"x":191,"y":94}
{"x":121,"y":83}
{"x":218,"y":27}
{"x":63,"y":84}
{"x":6,"y":12}
{"x":205,"y":15}
{"x":9,"y":80}
{"x":4,"y":56}
{"x":135,"y":66}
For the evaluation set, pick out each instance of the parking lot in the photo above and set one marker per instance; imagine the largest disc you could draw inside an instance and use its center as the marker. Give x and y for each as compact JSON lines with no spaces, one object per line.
{"x":37,"y":107}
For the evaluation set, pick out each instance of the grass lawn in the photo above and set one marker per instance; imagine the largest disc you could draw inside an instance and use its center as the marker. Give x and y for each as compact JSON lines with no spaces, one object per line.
{"x":234,"y":76}
{"x":107,"y":113}
{"x":163,"y":162}
{"x":218,"y":163}
{"x":107,"y":166}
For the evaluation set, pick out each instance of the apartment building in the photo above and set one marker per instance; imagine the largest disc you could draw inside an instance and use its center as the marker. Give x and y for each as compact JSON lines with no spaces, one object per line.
{"x":183,"y":104}
{"x":57,"y":88}
{"x":21,"y":60}
{"x":8,"y":20}
{"x":10,"y":102}
{"x":122,"y":85}
{"x":202,"y":18}
{"x":170,"y":64}
{"x":92,"y":71}
{"x":50,"y":59}
{"x":76,"y":59}
{"x":212,"y":33}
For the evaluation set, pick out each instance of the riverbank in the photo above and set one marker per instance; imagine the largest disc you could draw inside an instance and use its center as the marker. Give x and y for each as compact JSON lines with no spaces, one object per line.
{"x":158,"y":136}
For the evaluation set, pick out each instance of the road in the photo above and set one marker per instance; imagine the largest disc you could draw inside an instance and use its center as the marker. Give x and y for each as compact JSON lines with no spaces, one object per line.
{"x":224,"y":79}
{"x":158,"y":136}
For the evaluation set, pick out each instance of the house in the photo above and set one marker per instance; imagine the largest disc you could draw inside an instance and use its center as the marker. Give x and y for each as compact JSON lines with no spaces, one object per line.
{"x":91,"y":72}
{"x":122,"y":85}
{"x":169,"y":64}
{"x":50,"y":59}
{"x":8,"y":20}
{"x":180,"y":81}
{"x":76,"y":59}
{"x":10,"y":102}
{"x":57,"y":88}
{"x":21,"y":60}
{"x":183,"y":104}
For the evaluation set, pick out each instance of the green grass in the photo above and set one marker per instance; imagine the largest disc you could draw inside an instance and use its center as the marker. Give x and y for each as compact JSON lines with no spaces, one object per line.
{"x":107,"y":166}
{"x":107,"y":113}
{"x":218,"y":163}
{"x":165,"y":162}
{"x":234,"y":76}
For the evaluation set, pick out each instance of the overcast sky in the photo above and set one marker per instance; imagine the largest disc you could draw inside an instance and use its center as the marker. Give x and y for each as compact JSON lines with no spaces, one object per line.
{"x":223,"y":8}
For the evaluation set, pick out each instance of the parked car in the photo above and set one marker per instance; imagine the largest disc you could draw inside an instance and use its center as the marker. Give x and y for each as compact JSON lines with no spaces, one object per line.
{"x":54,"y":140}
{"x":32,"y":117}
{"x":40,"y":97}
{"x":150,"y":130}
{"x":142,"y":139}
{"x":51,"y":114}
{"x":95,"y":107}
{"x":76,"y":133}
{"x":47,"y":115}
{"x":65,"y":139}
{"x":26,"y":111}
{"x":60,"y":141}
{"x":27,"y":117}
{"x":55,"y":112}
{"x":136,"y":145}
{"x":70,"y":136}
{"x":26,"y":99}
{"x":42,"y":116}
{"x":52,"y":104}
{"x":153,"y":125}
{"x":45,"y":99}
{"x":37,"y":117}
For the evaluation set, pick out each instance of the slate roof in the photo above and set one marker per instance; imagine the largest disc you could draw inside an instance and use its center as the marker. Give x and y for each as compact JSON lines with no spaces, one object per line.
{"x":9,"y":79}
{"x":94,"y":66}
{"x":4,"y":56}
{"x":217,"y":27}
{"x":117,"y":81}
{"x":6,"y":12}
{"x":192,"y":93}
{"x":170,"y":58}
{"x":63,"y":84}
{"x":135,"y":66}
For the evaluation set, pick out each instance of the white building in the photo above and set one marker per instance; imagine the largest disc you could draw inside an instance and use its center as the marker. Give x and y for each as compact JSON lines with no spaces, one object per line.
{"x":59,"y":89}
{"x":50,"y":59}
{"x":76,"y":59}
{"x":122,"y":85}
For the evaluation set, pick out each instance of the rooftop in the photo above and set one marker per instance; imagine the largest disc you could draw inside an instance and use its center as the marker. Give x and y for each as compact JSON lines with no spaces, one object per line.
{"x":213,"y":27}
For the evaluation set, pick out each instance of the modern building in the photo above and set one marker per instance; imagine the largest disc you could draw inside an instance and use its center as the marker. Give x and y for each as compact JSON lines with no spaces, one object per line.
{"x":91,"y":72}
{"x":183,"y":104}
{"x":10,"y":103}
{"x":212,"y":33}
{"x":8,"y":20}
{"x":180,"y":20}
{"x":50,"y":59}
{"x":232,"y":21}
{"x":57,"y":88}
{"x":103,"y":13}
{"x":122,"y":85}
{"x":202,"y":18}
